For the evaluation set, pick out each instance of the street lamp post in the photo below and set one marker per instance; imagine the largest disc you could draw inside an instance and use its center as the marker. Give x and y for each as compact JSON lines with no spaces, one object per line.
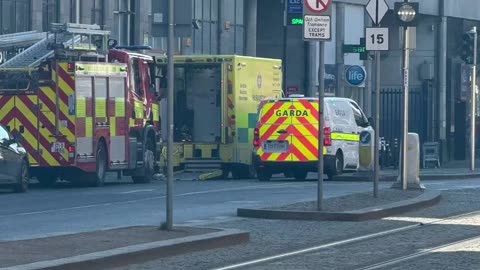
{"x":407,"y":16}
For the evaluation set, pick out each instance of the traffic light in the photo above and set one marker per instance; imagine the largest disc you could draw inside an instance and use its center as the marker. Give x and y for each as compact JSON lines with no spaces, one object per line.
{"x":467,"y":48}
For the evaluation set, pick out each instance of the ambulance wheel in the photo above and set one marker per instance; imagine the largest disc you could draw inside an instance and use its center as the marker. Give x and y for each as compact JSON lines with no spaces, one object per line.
{"x":264,"y":175}
{"x":300,"y":175}
{"x":148,"y":164}
{"x":47,"y":179}
{"x":97,"y":179}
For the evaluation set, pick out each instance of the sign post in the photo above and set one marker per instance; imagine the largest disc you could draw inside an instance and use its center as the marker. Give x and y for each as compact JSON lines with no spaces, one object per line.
{"x":376,"y":40}
{"x":170,"y":82}
{"x":317,"y":27}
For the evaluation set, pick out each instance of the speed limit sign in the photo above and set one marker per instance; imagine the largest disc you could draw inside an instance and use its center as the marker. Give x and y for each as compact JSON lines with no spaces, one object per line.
{"x":376,"y":39}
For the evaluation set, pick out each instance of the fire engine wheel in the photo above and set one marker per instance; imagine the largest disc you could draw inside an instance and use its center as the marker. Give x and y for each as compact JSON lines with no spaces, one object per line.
{"x":148,"y":165}
{"x":47,"y":179}
{"x":97,"y":179}
{"x":23,"y":179}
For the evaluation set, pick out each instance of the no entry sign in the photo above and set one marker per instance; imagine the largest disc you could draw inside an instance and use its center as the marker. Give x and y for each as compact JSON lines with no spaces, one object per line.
{"x":317,"y":7}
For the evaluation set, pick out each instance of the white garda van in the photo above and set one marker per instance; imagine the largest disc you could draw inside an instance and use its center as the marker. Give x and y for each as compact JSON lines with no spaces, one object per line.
{"x":286,"y":136}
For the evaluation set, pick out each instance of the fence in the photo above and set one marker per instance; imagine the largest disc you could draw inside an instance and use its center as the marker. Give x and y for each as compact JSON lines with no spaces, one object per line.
{"x":391,"y":115}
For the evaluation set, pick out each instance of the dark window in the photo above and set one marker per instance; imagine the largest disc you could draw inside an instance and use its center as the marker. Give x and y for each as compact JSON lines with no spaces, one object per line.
{"x":15,"y":16}
{"x":51,"y":13}
{"x":137,"y":82}
{"x":97,"y":12}
{"x":8,"y":17}
{"x":360,"y":119}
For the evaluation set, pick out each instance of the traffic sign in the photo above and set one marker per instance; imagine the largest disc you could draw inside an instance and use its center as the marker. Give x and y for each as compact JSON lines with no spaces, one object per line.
{"x":317,"y":7}
{"x":377,"y":10}
{"x":376,"y":39}
{"x":317,"y":27}
{"x":365,"y":137}
{"x":356,"y":76}
{"x":294,"y":7}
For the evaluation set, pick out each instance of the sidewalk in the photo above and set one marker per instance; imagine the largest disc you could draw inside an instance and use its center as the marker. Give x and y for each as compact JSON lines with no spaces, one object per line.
{"x":450,"y":171}
{"x":110,"y":248}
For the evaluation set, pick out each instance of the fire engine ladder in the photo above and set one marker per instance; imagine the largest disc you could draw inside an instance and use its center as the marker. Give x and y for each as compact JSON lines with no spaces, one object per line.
{"x":64,"y":38}
{"x":92,"y":41}
{"x":21,"y":39}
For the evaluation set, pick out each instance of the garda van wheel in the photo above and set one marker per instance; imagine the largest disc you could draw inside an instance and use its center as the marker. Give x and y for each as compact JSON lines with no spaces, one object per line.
{"x":97,"y":179}
{"x":337,"y":167}
{"x":300,"y":175}
{"x":264,"y":175}
{"x":242,"y":171}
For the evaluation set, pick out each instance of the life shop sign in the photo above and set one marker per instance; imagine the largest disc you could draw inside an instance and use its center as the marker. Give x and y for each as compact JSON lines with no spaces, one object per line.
{"x":355,"y":76}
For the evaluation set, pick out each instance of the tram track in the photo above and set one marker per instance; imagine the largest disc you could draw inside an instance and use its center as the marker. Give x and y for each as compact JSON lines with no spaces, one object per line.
{"x":362,"y":238}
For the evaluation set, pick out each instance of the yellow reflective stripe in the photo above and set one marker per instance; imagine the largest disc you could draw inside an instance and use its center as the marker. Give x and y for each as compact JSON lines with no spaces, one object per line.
{"x":345,"y":137}
{"x":100,"y":107}
{"x":132,"y":122}
{"x":81,"y":107}
{"x":88,"y":127}
{"x":155,"y":109}
{"x":100,"y":69}
{"x":119,"y":107}
{"x":138,"y":110}
{"x":113,"y":126}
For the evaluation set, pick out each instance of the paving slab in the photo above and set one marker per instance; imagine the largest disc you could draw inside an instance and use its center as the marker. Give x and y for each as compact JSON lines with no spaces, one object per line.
{"x":353,"y":207}
{"x":109,"y":248}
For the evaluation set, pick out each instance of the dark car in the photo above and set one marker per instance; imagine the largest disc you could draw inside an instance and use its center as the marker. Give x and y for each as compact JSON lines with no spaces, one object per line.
{"x":13,"y":162}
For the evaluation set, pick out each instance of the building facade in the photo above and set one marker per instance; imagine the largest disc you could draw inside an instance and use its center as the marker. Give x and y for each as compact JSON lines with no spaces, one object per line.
{"x":438,"y":78}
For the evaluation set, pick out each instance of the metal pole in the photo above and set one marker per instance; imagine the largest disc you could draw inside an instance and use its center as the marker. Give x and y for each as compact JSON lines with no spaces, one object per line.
{"x":170,"y":93}
{"x":377,"y":125}
{"x":376,"y":165}
{"x":473,"y":103}
{"x":406,"y":64}
{"x":321,"y":92}
{"x":284,"y":61}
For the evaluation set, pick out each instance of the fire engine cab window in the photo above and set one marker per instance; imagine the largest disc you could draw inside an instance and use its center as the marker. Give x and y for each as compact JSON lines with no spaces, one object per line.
{"x":136,"y":82}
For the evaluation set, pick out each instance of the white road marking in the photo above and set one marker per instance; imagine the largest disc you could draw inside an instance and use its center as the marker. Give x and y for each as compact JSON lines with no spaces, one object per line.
{"x":151,"y":198}
{"x":137,"y":191}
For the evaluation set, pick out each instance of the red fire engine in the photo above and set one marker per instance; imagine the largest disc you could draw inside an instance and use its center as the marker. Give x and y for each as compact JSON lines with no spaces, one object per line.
{"x":84,"y":109}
